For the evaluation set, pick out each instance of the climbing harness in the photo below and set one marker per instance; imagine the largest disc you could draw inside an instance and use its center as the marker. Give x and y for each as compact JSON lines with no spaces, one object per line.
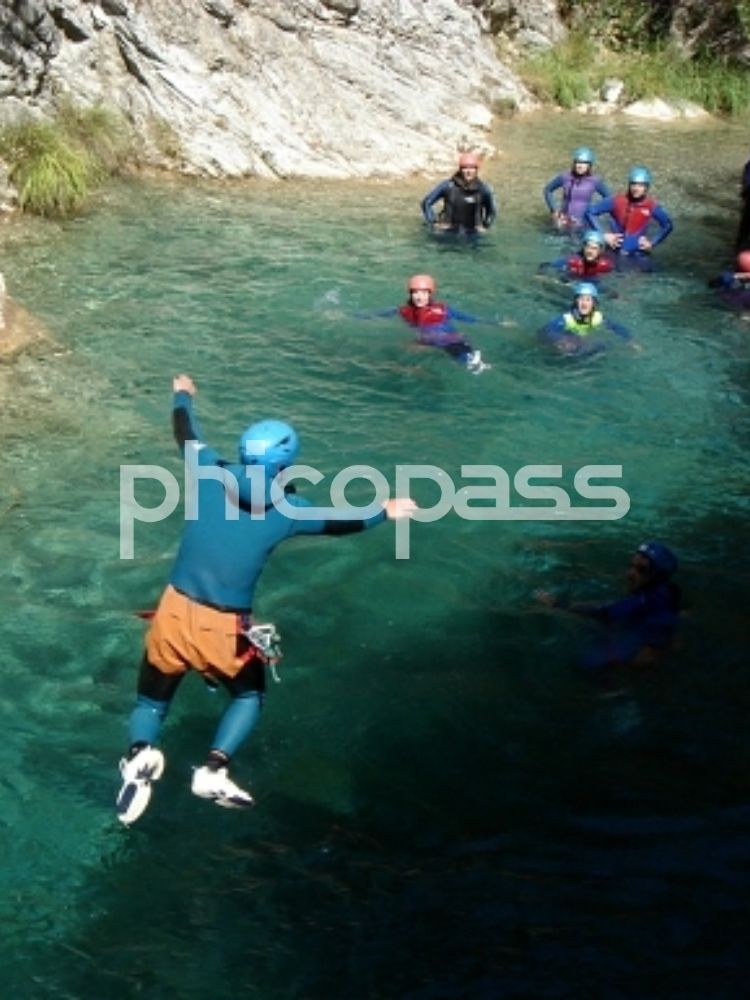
{"x":265,"y":642}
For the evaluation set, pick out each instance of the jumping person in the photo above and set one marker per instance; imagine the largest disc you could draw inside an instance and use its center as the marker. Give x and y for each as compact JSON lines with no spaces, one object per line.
{"x":204,"y":618}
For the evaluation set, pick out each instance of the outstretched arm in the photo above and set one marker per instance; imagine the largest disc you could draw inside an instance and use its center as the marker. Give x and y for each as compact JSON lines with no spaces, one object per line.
{"x":392,"y":510}
{"x":598,"y":611}
{"x":376,"y":313}
{"x":618,"y":329}
{"x":184,"y":424}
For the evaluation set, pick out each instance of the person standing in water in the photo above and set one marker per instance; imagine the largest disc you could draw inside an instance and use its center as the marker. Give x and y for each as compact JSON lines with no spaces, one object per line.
{"x":468,"y":204}
{"x":633,"y":213}
{"x":579,"y":185}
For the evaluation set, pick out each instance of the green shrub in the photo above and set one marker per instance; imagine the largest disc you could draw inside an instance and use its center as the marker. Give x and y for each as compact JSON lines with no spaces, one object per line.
{"x":103,"y":133}
{"x":563,"y":75}
{"x":574,"y":71}
{"x":54,"y":165}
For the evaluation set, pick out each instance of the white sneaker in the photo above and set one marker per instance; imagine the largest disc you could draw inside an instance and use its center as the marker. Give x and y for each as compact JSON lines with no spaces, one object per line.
{"x":475,"y":364}
{"x":137,"y":774}
{"x":216,"y":785}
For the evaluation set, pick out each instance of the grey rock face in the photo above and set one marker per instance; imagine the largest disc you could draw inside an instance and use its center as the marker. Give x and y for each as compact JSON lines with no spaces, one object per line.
{"x":527,"y":23}
{"x":329,"y":88}
{"x":29,"y":40}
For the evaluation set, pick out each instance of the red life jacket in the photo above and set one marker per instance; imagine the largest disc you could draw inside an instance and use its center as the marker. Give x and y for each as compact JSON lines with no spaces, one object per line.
{"x":434,"y":314}
{"x":632,"y":216}
{"x":578,"y":266}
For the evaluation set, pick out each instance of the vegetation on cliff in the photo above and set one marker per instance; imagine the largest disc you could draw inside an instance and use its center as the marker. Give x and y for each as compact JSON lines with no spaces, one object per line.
{"x":54,"y":165}
{"x":656,"y":47}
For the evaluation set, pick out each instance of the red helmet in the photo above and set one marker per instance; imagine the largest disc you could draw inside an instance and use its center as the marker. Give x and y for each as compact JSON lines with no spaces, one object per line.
{"x":743,"y":261}
{"x":421,"y":282}
{"x":468,"y":160}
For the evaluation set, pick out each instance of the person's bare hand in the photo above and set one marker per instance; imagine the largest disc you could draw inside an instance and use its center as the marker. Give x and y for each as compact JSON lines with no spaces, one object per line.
{"x":183,"y":383}
{"x":545,"y":597}
{"x":399,"y":507}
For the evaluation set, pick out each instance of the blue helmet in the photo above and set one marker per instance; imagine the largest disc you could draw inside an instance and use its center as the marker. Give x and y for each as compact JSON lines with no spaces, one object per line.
{"x":270,"y":443}
{"x":661,"y":558}
{"x":593,"y":236}
{"x":639,"y":175}
{"x":583,"y":155}
{"x":585,"y":288}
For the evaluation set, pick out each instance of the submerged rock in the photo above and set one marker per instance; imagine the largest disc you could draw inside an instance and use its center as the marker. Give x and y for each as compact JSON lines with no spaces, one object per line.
{"x":18,"y":328}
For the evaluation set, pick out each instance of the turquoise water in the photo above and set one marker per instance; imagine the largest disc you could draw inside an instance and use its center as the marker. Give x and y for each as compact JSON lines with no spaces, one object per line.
{"x":445,"y":809}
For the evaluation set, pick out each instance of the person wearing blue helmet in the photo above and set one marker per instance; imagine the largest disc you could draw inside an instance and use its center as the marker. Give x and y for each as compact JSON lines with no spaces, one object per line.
{"x":579,"y":330}
{"x":204,"y":618}
{"x":579,"y":185}
{"x":640,"y":626}
{"x":590,"y":263}
{"x":633,"y":214}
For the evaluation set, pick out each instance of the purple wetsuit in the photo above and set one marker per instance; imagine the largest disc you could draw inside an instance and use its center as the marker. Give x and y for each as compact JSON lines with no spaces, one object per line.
{"x":577,"y":193}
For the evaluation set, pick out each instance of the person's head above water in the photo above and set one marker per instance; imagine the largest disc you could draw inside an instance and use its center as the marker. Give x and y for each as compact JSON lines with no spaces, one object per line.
{"x":583,"y":160}
{"x":652,"y":562}
{"x":468,"y":165}
{"x":585,"y":297}
{"x":743,"y":261}
{"x":592,"y":245}
{"x":421,"y":288}
{"x":273,"y":444}
{"x":639,"y":181}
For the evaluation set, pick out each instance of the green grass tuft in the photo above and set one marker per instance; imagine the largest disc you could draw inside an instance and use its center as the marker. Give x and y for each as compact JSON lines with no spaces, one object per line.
{"x":56,"y":164}
{"x":574,"y":71}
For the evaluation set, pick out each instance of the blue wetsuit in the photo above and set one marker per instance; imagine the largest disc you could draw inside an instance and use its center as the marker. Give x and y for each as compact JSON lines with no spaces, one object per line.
{"x":435,"y":326}
{"x":632,"y":218}
{"x":572,"y":334}
{"x":578,"y":190}
{"x":733,"y":290}
{"x":220,"y":559}
{"x":646,"y":618}
{"x":465,"y":205}
{"x":218,"y":565}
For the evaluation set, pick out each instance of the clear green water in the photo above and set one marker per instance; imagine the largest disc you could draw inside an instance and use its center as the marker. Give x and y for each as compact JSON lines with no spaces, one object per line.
{"x":445,"y":809}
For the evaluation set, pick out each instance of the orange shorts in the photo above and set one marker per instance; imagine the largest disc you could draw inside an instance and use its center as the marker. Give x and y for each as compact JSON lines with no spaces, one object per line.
{"x":186,"y":635}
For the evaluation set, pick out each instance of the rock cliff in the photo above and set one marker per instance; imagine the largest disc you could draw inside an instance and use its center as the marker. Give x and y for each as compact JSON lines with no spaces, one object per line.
{"x":326,"y":88}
